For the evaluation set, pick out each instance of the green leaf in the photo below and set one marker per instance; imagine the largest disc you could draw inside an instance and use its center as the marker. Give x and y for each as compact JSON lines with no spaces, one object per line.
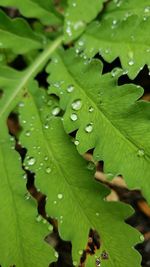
{"x":22,"y":237}
{"x":108,"y":117}
{"x":16,"y":34}
{"x":119,"y":33}
{"x":15,"y":83}
{"x":42,"y":10}
{"x":74,"y":198}
{"x":78,"y":15}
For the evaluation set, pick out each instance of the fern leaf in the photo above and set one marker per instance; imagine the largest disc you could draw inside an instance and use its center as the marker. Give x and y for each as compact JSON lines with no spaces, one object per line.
{"x":74,"y":198}
{"x":119,"y":32}
{"x":104,"y":109}
{"x":78,"y":15}
{"x":16,"y":34}
{"x":22,"y":237}
{"x":42,"y":10}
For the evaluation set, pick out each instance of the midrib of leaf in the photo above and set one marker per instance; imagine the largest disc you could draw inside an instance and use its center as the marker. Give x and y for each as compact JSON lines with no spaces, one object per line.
{"x":131,"y":143}
{"x":15,"y":211}
{"x":32,"y":71}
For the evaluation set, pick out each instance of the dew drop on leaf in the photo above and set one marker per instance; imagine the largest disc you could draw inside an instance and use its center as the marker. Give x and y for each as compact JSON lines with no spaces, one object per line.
{"x":74,"y":263}
{"x":27,"y":196}
{"x":70,"y":88}
{"x":80,"y":252}
{"x":56,"y":111}
{"x":91,"y":166}
{"x":21,"y":104}
{"x":76,"y":142}
{"x":131,"y":62}
{"x":38,"y":218}
{"x":60,"y":196}
{"x":31,"y":161}
{"x":147,"y":9}
{"x":50,"y":227}
{"x":77,"y":104}
{"x":115,"y":72}
{"x":97,"y":214}
{"x":142,"y":238}
{"x":46,"y":158}
{"x":27,"y":133}
{"x":73,"y":117}
{"x":48,"y":170}
{"x":91,"y":109}
{"x":80,"y":43}
{"x":24,"y":176}
{"x":140,"y":153}
{"x":44,"y":221}
{"x":56,"y":254}
{"x":46,"y":126}
{"x":89,"y":128}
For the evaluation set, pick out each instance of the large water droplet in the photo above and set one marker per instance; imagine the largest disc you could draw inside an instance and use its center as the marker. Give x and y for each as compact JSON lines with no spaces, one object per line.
{"x":70,"y":88}
{"x":31,"y":161}
{"x":27,"y":133}
{"x":50,"y":227}
{"x":115,"y":72}
{"x":97,"y":214}
{"x":38,"y":218}
{"x":140,"y":152}
{"x":74,"y":263}
{"x":91,"y":109}
{"x":89,"y":128}
{"x":48,"y":170}
{"x":131,"y":62}
{"x":60,"y":196}
{"x":56,"y":254}
{"x":147,"y":9}
{"x":76,"y":142}
{"x":142,"y":238}
{"x":79,"y":24}
{"x":73,"y":117}
{"x":77,"y":104}
{"x":56,"y":111}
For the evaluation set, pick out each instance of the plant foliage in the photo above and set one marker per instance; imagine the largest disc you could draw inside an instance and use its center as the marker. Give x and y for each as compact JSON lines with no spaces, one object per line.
{"x":77,"y":109}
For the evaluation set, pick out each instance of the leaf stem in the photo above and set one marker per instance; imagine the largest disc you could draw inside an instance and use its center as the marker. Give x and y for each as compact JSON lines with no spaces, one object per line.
{"x":31,"y":72}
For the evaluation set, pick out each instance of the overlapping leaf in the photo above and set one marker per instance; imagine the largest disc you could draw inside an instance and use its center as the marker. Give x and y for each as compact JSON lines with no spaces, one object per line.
{"x":17,"y":35}
{"x":22,"y":239}
{"x":78,"y":15}
{"x":42,"y":10}
{"x":108,"y":117}
{"x":122,"y":31}
{"x":74,"y":198}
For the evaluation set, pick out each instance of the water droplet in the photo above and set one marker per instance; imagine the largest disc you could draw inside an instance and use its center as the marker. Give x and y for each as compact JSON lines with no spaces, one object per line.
{"x":38,"y":218}
{"x":46,"y":126}
{"x":97,"y":214}
{"x":77,"y":104}
{"x":27,"y":196}
{"x":116,"y":72}
{"x":50,"y":228}
{"x":131,"y":62}
{"x":98,"y":262}
{"x":70,"y":88}
{"x":48,"y":170}
{"x":46,"y":158}
{"x":56,"y":111}
{"x":56,"y":254}
{"x":31,"y":161}
{"x":73,"y":117}
{"x":24,"y":176}
{"x":89,"y":128}
{"x":76,"y":142}
{"x":41,"y":164}
{"x":147,"y":9}
{"x":27,"y":133}
{"x":21,"y":104}
{"x":80,"y":43}
{"x":74,"y":263}
{"x":140,"y":153}
{"x":74,"y":4}
{"x":55,"y":202}
{"x":142,"y":238}
{"x":91,"y":166}
{"x":79,"y":24}
{"x":49,"y":102}
{"x":55,"y":60}
{"x":60,"y":196}
{"x":110,"y":175}
{"x":68,"y":30}
{"x":91,"y":109}
{"x":80,"y":252}
{"x":44,"y":221}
